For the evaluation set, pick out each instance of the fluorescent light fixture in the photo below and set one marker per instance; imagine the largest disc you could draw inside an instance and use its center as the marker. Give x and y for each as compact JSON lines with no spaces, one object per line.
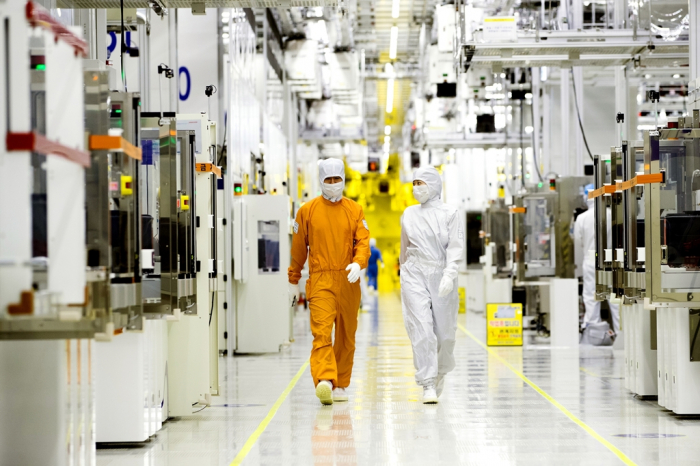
{"x":394,"y":43}
{"x":389,"y":68}
{"x":387,"y":130}
{"x":676,"y":76}
{"x":390,"y":95}
{"x":387,"y":139}
{"x":395,"y":5}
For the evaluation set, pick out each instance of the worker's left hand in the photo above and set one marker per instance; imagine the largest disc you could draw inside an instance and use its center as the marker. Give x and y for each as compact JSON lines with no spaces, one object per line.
{"x":354,"y":272}
{"x":382,"y":264}
{"x":446,"y":286}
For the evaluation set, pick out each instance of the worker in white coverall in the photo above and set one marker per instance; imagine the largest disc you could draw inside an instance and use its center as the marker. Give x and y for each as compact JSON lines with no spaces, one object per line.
{"x":584,"y":241}
{"x":432,"y":241}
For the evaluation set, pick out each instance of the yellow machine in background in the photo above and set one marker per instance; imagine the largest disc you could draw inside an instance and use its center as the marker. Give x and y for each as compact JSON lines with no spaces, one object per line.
{"x":383,"y":198}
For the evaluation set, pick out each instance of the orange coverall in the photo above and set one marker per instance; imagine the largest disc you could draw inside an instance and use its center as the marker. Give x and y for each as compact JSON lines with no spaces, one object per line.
{"x":334,"y":235}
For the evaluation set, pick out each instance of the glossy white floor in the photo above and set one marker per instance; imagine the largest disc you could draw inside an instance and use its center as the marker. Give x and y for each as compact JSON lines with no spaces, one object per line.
{"x":488,"y":414}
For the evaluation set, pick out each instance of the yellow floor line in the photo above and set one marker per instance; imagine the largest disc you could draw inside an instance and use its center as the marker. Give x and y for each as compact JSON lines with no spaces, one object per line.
{"x":589,"y":372}
{"x":263,"y":425}
{"x":624,"y":458}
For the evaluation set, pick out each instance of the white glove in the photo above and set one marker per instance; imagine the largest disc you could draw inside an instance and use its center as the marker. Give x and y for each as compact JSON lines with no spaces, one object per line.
{"x":293,"y":293}
{"x":354,"y":272}
{"x":446,"y":286}
{"x":382,"y":264}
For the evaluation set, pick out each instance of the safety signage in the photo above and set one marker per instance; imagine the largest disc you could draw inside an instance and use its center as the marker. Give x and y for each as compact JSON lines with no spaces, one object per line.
{"x":500,"y":28}
{"x":504,"y":324}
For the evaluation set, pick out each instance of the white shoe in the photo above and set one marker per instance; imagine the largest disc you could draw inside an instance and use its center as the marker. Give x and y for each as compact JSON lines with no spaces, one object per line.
{"x":440,"y":385}
{"x":324,"y":392}
{"x":339,"y":394}
{"x":429,"y":396}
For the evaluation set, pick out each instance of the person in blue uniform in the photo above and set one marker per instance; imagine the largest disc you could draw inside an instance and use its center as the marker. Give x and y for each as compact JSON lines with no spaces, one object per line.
{"x":372,"y":268}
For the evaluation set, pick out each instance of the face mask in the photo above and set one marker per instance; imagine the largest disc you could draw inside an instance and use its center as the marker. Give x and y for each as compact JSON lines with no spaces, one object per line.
{"x":333,"y":191}
{"x":421,"y":193}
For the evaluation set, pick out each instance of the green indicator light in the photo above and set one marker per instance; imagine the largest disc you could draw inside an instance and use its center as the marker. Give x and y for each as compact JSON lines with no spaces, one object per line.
{"x":238,"y":189}
{"x":41,"y":67}
{"x":117,"y":111}
{"x":539,"y":185}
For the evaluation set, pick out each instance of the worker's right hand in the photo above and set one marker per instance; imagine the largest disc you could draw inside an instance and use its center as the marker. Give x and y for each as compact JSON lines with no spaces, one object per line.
{"x":294,"y":293}
{"x":446,"y":286}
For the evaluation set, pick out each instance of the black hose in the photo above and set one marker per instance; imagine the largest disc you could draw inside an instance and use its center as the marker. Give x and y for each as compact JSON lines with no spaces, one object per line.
{"x":578,"y":114}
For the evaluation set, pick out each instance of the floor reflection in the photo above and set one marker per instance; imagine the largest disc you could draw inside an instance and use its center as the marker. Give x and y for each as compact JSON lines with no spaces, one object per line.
{"x":333,"y":441}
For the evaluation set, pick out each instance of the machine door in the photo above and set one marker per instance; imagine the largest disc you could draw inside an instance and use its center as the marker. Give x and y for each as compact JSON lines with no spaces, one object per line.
{"x":539,"y":236}
{"x":675,"y":220}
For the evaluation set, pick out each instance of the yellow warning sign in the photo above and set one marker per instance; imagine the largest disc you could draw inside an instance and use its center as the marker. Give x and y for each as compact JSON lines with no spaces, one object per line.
{"x":504,"y":324}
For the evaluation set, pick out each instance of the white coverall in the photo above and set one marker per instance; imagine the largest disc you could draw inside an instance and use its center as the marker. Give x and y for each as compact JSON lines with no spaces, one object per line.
{"x":432,"y":239}
{"x":584,"y":241}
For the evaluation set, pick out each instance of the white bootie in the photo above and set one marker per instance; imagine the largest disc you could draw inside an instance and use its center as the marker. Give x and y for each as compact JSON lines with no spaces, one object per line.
{"x":429,"y":395}
{"x":339,"y":394}
{"x":440,"y":385}
{"x":324,"y":392}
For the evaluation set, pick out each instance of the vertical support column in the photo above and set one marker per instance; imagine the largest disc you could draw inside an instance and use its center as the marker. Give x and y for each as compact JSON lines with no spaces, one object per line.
{"x":545,"y":161}
{"x":694,"y":13}
{"x":292,"y":136}
{"x":578,"y":85}
{"x":144,"y":70}
{"x":15,"y":167}
{"x":631,"y":117}
{"x":565,"y":87}
{"x":577,"y":23}
{"x":101,"y":34}
{"x":65,"y":179}
{"x":621,"y":103}
{"x":620,"y":14}
{"x":172,"y":51}
{"x":536,"y":123}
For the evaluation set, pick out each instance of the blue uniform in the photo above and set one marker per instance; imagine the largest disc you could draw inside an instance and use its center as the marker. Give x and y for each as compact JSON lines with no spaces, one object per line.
{"x":372,"y":269}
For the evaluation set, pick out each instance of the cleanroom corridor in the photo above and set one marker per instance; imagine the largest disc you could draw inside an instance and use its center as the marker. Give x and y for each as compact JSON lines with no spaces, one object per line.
{"x":334,"y":232}
{"x":487,"y":415}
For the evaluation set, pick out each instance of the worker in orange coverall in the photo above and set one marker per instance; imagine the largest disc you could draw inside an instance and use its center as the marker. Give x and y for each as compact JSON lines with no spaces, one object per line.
{"x":332,"y":231}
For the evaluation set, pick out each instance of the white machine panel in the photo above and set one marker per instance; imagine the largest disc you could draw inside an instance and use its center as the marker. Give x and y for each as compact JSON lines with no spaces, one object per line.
{"x":441,"y":66}
{"x":263,"y":311}
{"x":446,"y":21}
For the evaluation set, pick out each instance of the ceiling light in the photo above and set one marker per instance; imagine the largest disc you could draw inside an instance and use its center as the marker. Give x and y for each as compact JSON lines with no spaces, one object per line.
{"x":389,"y":68}
{"x":387,"y":139}
{"x":390,"y":95}
{"x":676,"y":76}
{"x":394,"y":43}
{"x":395,"y":4}
{"x":387,"y":130}
{"x":647,"y":76}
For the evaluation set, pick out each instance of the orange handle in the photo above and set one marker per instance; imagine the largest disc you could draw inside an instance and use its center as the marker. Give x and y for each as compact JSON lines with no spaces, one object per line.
{"x":207,"y":168}
{"x":116,"y":143}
